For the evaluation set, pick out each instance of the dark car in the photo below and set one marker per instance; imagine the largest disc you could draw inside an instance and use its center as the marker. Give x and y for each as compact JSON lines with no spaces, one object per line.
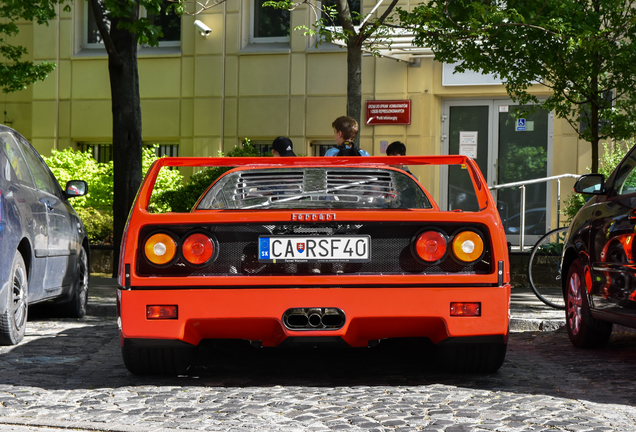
{"x":44,"y":251}
{"x":598,"y":260}
{"x":534,"y":222}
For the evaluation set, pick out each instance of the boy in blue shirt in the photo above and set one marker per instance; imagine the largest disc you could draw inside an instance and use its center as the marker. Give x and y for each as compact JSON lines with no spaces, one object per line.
{"x":345,"y":131}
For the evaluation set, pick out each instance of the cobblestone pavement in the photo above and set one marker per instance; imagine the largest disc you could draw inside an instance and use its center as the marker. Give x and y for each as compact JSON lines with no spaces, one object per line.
{"x":69,"y":374}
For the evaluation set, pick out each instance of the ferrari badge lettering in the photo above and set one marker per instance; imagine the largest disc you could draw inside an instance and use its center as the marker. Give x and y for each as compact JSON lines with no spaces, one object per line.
{"x":319,"y":217}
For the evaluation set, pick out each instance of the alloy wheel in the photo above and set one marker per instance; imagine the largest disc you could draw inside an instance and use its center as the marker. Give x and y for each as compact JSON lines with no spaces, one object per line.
{"x":83,"y":278}
{"x":19,"y":298}
{"x":575,"y":303}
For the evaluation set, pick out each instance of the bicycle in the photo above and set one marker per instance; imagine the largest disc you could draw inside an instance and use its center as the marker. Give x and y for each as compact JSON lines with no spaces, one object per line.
{"x":544,"y":268}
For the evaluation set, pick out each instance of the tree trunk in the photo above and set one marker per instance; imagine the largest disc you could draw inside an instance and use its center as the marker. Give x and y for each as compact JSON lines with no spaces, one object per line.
{"x":354,"y":81}
{"x":595,"y":103}
{"x":127,"y":138}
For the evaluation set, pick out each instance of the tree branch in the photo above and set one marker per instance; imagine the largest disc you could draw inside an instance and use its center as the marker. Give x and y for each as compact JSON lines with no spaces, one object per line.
{"x":377,"y":23}
{"x":100,"y":21}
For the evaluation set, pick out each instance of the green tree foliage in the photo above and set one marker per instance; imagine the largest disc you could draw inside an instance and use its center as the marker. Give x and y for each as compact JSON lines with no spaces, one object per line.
{"x":182,"y":198}
{"x":95,"y":208}
{"x":169,"y":179}
{"x":610,"y":159}
{"x":523,"y":162}
{"x":75,"y":165}
{"x":583,"y":50}
{"x":16,"y":74}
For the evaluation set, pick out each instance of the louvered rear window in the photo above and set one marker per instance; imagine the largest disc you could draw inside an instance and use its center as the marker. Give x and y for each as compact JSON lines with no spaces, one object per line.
{"x":305,"y":188}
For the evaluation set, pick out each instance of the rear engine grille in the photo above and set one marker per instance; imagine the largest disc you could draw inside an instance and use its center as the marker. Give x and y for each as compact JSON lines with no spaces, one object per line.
{"x":237,"y":250}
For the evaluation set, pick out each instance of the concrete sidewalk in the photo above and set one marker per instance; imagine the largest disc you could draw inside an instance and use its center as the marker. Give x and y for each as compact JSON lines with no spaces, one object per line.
{"x":527,"y":312}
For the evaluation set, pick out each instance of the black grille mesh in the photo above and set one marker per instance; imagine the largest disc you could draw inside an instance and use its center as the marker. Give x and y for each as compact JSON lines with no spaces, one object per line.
{"x":237,"y":250}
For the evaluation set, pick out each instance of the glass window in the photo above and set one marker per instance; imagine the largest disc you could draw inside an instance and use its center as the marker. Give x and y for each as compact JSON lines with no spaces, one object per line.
{"x":42,"y":176}
{"x":103,"y":153}
{"x":171,"y":150}
{"x":17,"y":170}
{"x":264,"y":147}
{"x":93,"y":37}
{"x":310,"y":188}
{"x":269,"y":24}
{"x":625,"y":183}
{"x":170,"y":26}
{"x":321,"y":149}
{"x":354,"y":7}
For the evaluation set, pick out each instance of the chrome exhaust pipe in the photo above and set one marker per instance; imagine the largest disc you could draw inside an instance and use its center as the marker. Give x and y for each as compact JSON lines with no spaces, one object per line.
{"x":333,"y":320}
{"x":297,"y":320}
{"x":314,"y":318}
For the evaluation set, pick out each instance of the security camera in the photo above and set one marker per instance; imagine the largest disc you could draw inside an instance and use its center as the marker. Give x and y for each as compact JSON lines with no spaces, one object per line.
{"x":205,"y":30}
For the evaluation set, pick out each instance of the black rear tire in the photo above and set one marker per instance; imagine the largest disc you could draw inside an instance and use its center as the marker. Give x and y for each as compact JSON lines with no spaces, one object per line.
{"x":13,"y":318}
{"x":584,"y":330}
{"x":76,"y":307}
{"x":470,"y":357}
{"x":157,"y":360}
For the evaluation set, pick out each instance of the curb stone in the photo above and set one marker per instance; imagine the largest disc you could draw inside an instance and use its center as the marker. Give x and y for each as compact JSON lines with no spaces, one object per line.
{"x":77,"y":425}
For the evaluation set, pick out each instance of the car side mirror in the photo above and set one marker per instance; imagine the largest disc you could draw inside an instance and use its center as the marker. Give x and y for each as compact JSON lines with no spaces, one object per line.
{"x":75,"y":188}
{"x":590,"y":184}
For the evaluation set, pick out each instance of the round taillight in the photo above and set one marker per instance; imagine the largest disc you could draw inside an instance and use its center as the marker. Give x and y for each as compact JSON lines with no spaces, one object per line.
{"x":160,"y":249}
{"x":197,"y":249}
{"x":431,"y":246}
{"x":468,"y":246}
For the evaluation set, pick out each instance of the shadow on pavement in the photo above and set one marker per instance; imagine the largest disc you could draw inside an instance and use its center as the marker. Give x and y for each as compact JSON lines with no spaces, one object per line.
{"x":87,"y":356}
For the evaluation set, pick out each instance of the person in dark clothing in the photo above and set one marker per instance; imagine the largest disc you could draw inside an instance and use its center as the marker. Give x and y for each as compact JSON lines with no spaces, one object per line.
{"x":397,"y":148}
{"x":282,"y":146}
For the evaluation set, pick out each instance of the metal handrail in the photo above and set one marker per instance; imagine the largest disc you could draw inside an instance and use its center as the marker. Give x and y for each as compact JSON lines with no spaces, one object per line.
{"x":522,"y":211}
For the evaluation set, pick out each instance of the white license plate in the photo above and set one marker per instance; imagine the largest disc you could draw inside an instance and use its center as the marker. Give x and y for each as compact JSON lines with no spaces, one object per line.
{"x":281,"y":249}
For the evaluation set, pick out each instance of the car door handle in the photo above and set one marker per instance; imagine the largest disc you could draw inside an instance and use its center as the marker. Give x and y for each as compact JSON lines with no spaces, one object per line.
{"x":49,"y":206}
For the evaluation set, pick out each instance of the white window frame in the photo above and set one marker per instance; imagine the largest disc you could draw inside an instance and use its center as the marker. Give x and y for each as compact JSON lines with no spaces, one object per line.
{"x":253,"y":39}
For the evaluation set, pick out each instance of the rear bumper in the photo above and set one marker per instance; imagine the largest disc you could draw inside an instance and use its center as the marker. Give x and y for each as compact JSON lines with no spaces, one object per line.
{"x":371,"y":313}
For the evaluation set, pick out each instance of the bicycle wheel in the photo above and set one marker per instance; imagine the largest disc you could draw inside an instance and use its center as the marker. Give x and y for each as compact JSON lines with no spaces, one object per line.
{"x":544,"y":268}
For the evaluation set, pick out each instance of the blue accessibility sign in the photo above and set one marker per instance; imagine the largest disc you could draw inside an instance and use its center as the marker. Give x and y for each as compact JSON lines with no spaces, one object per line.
{"x":521,"y":125}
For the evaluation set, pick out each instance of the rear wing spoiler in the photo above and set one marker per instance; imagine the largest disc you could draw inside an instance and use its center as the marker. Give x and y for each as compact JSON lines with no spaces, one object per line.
{"x":481,"y":189}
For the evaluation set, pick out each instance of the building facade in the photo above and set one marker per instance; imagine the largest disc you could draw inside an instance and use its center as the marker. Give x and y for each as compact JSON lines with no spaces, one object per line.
{"x":252,"y":76}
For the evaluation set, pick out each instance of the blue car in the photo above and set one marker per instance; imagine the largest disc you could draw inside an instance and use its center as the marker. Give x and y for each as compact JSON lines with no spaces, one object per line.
{"x":44,"y":253}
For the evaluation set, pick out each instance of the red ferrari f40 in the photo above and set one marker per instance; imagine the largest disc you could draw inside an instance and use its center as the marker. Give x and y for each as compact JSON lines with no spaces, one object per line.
{"x":284,"y":251}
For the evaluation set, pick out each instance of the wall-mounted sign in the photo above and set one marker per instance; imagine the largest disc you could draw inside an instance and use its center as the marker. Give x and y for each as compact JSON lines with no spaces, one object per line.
{"x":383,"y":146}
{"x":520,"y":125}
{"x":468,"y":144}
{"x":388,"y":112}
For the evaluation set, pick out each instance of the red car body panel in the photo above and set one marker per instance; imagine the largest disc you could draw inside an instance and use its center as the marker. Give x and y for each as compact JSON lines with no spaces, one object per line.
{"x":377,"y":306}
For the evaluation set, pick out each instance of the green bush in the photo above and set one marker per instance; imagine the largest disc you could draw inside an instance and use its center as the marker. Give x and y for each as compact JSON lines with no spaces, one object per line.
{"x":98,"y":225}
{"x":610,"y":158}
{"x":76,"y":165}
{"x":169,"y":194}
{"x":182,"y":198}
{"x":95,"y":208}
{"x":167,"y":180}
